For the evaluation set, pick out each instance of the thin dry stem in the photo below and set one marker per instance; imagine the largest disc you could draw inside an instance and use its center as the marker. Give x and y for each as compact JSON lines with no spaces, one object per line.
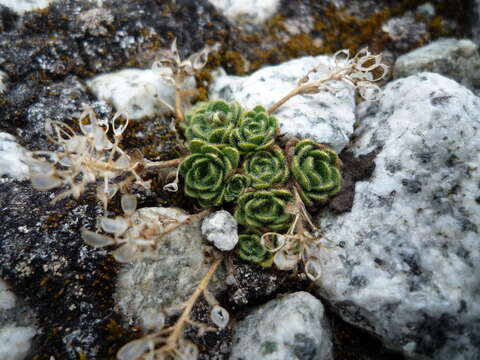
{"x":184,"y":319}
{"x":178,"y":97}
{"x":306,"y":88}
{"x":188,"y":220}
{"x":164,"y":164}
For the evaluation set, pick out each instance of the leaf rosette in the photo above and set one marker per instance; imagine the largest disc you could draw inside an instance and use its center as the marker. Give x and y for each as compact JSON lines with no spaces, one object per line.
{"x":266,"y":168}
{"x":236,"y":186}
{"x":264,"y":209}
{"x":255,"y":131}
{"x":212,"y":121}
{"x":250,"y":248}
{"x":206,"y":170}
{"x":316,"y":170}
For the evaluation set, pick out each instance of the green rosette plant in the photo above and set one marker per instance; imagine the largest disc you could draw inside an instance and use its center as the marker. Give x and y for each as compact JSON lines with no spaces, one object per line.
{"x":212,"y":121}
{"x":316,"y":170}
{"x":206,"y":170}
{"x":236,"y":186}
{"x":266,"y":168}
{"x":255,"y":131}
{"x":264,"y":209}
{"x":250,"y":248}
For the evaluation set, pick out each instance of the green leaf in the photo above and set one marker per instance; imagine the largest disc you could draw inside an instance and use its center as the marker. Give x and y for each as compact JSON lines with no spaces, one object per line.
{"x":195,"y":146}
{"x":232,"y":155}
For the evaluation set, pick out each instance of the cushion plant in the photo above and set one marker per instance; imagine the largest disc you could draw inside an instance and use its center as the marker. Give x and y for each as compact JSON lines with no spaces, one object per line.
{"x":255,"y":131}
{"x":264,"y":209}
{"x":234,"y":158}
{"x":206,"y":170}
{"x":236,"y":186}
{"x":315,"y":168}
{"x":251,"y":249}
{"x":212,"y":121}
{"x":266,"y":168}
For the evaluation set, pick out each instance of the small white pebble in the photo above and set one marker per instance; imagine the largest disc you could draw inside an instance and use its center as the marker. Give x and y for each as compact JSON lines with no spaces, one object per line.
{"x":467,"y":47}
{"x":220,"y":228}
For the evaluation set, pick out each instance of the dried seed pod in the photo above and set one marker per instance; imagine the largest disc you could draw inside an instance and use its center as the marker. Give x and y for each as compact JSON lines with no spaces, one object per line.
{"x":219,"y":316}
{"x":129,"y":203}
{"x":96,"y":240}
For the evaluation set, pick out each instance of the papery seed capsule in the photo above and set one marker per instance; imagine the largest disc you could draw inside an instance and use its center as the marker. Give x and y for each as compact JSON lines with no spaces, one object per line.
{"x":133,"y":350}
{"x":129,"y":203}
{"x":219,"y":316}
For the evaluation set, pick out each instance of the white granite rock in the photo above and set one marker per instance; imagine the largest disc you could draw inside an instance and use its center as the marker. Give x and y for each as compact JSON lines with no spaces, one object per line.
{"x":12,"y":156}
{"x":16,"y":329}
{"x":454,"y":58}
{"x":3,"y":82}
{"x":158,"y":283}
{"x":221,"y":229}
{"x":22,"y":6}
{"x":325,"y":117}
{"x":137,"y":93}
{"x":408,"y":270}
{"x":290,"y":327}
{"x":251,"y":11}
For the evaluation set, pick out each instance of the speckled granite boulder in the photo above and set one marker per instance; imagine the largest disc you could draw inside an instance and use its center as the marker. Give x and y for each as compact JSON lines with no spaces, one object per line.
{"x":22,"y":6}
{"x":455,"y":58}
{"x":289,"y":327}
{"x":249,"y":11}
{"x":325,"y":117}
{"x":474,"y":20}
{"x":408,"y":271}
{"x":11,"y":158}
{"x":137,"y":93}
{"x":16,"y":326}
{"x":157,"y":283}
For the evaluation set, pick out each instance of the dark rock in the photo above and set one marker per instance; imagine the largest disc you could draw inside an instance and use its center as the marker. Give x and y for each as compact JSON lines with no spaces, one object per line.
{"x":67,"y":284}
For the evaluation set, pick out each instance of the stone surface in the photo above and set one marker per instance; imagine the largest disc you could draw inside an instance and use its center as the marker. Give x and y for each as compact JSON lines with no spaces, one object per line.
{"x":325,"y":117}
{"x":135,"y":92}
{"x":250,"y":11}
{"x":164,"y":280}
{"x":16,"y":326}
{"x":408,"y":268}
{"x":221,"y":229}
{"x":474,"y":11}
{"x":289,"y":327}
{"x":11,"y":157}
{"x":21,"y":6}
{"x":455,"y":58}
{"x":67,"y":284}
{"x":405,"y":31}
{"x":15,"y":342}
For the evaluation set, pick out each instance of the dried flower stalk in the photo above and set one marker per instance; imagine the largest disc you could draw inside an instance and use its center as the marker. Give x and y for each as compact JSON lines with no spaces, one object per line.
{"x":360,"y":72}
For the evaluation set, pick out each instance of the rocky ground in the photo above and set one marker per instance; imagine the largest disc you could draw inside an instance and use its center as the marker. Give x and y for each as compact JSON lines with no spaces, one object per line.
{"x":399,"y":275}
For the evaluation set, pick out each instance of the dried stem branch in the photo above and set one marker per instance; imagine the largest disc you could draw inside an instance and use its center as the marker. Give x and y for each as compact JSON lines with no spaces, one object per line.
{"x":307,"y":88}
{"x":163,"y":164}
{"x":178,"y":98}
{"x":183,"y":320}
